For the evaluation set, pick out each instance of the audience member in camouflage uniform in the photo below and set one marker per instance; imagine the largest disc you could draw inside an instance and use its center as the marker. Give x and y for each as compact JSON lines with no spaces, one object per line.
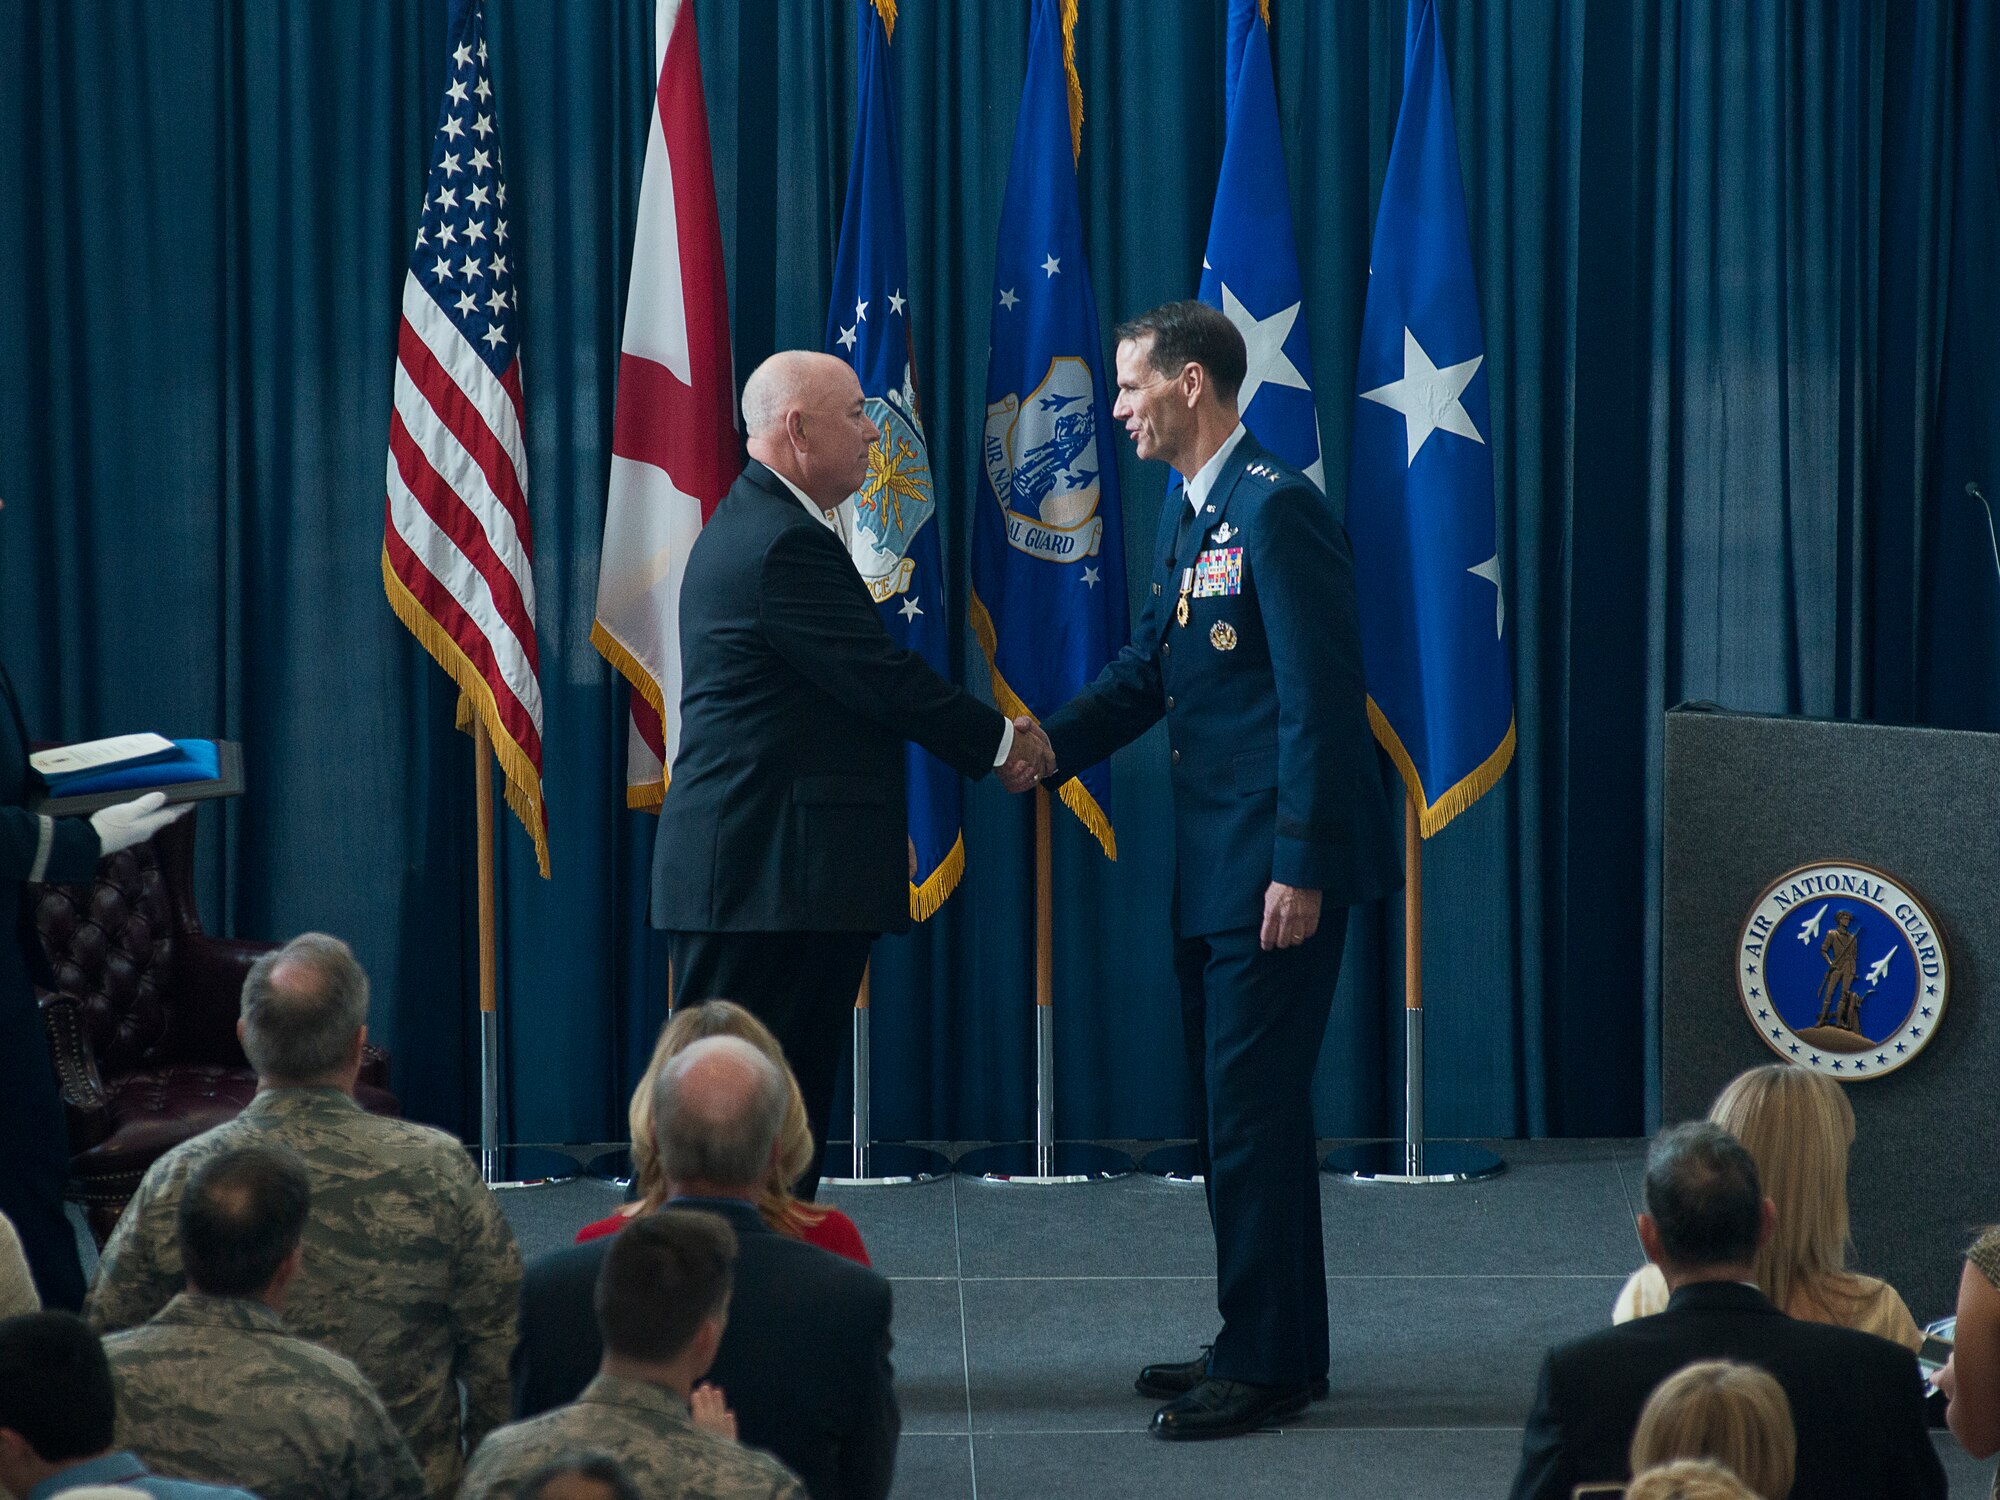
{"x":662,"y":1298}
{"x":216,"y":1386}
{"x":410,"y":1269}
{"x":59,"y":1418}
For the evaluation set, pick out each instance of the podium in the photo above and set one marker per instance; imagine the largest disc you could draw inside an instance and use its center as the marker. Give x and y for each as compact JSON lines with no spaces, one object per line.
{"x":1751,"y":798}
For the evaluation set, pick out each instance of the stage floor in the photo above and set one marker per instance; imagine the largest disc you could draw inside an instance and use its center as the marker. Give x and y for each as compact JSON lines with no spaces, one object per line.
{"x":1022,"y":1314}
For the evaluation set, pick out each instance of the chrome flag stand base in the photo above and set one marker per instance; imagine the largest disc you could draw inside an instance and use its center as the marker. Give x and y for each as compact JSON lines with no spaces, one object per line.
{"x":1176,"y":1163}
{"x":1413,"y":1160}
{"x":505,"y":1167}
{"x":1045,"y":1161}
{"x":873,"y":1163}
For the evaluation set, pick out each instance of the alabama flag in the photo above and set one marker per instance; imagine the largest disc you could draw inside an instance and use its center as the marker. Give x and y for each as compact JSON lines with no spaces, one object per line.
{"x":674,"y":447}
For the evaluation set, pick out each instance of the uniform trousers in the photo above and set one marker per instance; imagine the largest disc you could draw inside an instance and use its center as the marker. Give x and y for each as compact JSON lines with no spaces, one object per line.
{"x":1252,"y":1023}
{"x":34,"y":1151}
{"x":800,"y":984}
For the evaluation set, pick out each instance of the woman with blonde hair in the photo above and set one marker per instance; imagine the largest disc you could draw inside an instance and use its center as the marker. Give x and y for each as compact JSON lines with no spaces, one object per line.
{"x":1734,"y":1414}
{"x":1797,"y":1126}
{"x":1688,"y":1479}
{"x":816,"y":1224}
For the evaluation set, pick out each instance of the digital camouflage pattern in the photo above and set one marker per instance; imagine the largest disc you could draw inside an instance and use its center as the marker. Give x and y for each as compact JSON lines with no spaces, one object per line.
{"x":647,"y":1429}
{"x":410,"y":1269}
{"x":218,"y":1389}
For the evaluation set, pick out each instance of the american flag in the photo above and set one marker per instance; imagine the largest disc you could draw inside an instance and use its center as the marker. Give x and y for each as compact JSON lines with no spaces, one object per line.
{"x":457,"y":554}
{"x":674,"y":449}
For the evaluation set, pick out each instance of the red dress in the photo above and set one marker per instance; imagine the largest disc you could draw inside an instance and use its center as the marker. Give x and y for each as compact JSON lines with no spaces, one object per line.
{"x":834,"y":1232}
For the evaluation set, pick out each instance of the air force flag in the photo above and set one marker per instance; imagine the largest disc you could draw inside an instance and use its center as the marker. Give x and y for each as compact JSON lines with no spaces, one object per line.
{"x":1048,"y":557}
{"x":887,"y":520}
{"x":1251,"y":268}
{"x":1420,"y":484}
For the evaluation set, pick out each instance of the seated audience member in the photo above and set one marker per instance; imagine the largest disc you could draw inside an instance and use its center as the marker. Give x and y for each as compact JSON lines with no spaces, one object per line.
{"x":1857,"y":1400}
{"x":1970,"y":1379}
{"x":1797,"y":1126}
{"x":410,"y":1269}
{"x":17,"y":1282}
{"x":805,"y":1354}
{"x":1734,"y":1414}
{"x":215,"y":1386}
{"x":578,"y":1476}
{"x":662,"y":1300}
{"x":58,"y":1419}
{"x":1688,"y":1479}
{"x":816,"y":1224}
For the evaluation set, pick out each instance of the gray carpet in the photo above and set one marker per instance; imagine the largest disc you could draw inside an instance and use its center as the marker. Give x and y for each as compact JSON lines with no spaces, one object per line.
{"x":1022,"y":1314}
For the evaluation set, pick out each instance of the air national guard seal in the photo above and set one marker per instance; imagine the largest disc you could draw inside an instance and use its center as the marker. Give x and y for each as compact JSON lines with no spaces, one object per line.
{"x":1842,"y":970}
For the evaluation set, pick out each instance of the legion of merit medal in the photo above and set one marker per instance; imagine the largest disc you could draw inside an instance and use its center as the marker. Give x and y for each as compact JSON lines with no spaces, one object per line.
{"x":1187,"y":584}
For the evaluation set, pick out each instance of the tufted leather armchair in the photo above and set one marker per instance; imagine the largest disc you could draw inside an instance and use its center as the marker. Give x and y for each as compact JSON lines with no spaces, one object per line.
{"x":143,"y":1019}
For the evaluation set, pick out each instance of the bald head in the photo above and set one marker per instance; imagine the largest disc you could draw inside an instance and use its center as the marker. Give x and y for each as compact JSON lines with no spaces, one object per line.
{"x":803,"y":413}
{"x":718,"y":1109}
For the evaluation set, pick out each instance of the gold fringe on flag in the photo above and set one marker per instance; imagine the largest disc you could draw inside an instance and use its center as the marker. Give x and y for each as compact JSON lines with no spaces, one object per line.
{"x":886,"y":9}
{"x":1263,"y":9}
{"x":524,"y":789}
{"x":1432,"y":816}
{"x":1075,"y":83}
{"x":1075,"y":795}
{"x":645,"y":796}
{"x":925,"y":899}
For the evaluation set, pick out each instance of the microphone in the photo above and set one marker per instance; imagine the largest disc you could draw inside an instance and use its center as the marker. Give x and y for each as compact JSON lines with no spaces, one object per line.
{"x":1993,"y":540}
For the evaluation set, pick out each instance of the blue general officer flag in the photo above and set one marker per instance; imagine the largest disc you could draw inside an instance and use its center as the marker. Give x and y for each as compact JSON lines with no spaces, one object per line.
{"x":1251,"y":267}
{"x":887,"y":522}
{"x":1048,"y":556}
{"x":1420,"y":484}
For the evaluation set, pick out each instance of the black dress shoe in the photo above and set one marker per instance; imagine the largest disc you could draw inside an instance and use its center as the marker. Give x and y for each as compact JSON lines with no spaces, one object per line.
{"x":1165,"y":1381}
{"x":1218,"y":1408}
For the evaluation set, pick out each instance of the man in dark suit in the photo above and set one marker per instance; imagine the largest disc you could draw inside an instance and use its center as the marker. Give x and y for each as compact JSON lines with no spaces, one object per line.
{"x":804,"y":1358}
{"x":1249,"y":648}
{"x":34,"y":1139}
{"x":1857,"y":1400}
{"x":782,"y":846}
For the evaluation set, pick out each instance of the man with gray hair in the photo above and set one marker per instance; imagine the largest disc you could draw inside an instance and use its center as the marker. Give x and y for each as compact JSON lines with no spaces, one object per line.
{"x":781,"y":851}
{"x":410,"y":1269}
{"x":804,"y":1359}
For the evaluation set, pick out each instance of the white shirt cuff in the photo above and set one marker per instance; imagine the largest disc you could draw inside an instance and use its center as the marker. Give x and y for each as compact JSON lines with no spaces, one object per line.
{"x":1006,"y":744}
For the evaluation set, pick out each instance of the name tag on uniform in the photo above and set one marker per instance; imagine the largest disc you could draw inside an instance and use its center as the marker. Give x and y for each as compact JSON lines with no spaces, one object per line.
{"x":1218,"y":572}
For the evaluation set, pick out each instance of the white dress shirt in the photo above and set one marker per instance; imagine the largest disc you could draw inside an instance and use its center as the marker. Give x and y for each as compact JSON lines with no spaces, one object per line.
{"x":1204,"y":477}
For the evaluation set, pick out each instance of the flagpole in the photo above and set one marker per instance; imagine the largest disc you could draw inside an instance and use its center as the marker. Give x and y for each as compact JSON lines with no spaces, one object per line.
{"x":1045,"y":1160}
{"x":1418,"y":1161}
{"x":873,"y":1163}
{"x":552,"y":1167}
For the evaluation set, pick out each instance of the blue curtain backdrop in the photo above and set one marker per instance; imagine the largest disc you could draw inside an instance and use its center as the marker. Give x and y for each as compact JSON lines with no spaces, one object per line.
{"x":1728,"y":254}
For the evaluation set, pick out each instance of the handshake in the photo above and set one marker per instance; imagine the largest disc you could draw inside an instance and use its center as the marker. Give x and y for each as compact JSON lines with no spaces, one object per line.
{"x":1031,"y":761}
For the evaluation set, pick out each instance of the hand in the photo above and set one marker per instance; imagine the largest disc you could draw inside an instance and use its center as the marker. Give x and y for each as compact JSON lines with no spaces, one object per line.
{"x":124,"y":824}
{"x":1032,"y":759}
{"x":913,"y":856}
{"x":1291,"y":915}
{"x":711,"y":1412}
{"x":1946,"y":1379}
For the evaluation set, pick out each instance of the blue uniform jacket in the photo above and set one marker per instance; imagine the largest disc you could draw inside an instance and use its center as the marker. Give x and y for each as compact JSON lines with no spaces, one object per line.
{"x":1275,"y":773}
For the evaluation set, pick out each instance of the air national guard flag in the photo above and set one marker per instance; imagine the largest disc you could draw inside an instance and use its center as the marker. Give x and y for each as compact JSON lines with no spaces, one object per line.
{"x":1251,"y":268}
{"x":1420,"y":482}
{"x":1048,"y":557}
{"x":887,"y":522}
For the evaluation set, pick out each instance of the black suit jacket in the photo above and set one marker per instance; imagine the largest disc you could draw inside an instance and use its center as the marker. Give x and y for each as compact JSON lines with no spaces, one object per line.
{"x":785,"y":807}
{"x":804,"y":1360}
{"x":58,"y":849}
{"x":1857,"y":1400}
{"x":1274,"y":769}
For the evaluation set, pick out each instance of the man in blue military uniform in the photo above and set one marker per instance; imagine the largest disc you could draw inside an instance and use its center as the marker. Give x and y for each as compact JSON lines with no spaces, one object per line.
{"x":1249,"y":648}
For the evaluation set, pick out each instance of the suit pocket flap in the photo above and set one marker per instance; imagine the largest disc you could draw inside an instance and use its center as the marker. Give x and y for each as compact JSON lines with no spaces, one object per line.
{"x":1256,"y":770}
{"x":840,"y":791}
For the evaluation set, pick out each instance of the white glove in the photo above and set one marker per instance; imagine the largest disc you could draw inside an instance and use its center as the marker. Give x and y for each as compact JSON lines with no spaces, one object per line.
{"x":124,"y":824}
